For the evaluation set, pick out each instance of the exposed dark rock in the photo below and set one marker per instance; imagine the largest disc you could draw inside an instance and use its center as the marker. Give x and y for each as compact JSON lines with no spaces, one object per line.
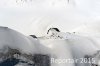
{"x":10,"y":60}
{"x":33,"y":36}
{"x":54,"y":29}
{"x":41,"y":60}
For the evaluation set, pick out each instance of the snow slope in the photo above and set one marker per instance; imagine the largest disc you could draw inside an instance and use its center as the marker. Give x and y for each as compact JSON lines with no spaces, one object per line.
{"x":37,"y":16}
{"x":15,"y":40}
{"x":59,"y":50}
{"x":78,"y":45}
{"x":60,"y":45}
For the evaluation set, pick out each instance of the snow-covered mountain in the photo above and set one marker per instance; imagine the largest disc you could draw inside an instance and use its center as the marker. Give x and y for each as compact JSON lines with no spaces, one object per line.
{"x":78,"y":35}
{"x":18,"y":49}
{"x":23,"y":50}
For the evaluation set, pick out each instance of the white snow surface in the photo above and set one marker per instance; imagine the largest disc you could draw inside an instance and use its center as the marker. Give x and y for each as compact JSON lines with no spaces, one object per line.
{"x":66,"y":46}
{"x":58,"y":46}
{"x":79,"y":17}
{"x":16,"y":40}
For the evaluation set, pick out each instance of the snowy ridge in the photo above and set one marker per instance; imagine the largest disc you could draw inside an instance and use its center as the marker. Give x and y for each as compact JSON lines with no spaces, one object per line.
{"x":55,"y":44}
